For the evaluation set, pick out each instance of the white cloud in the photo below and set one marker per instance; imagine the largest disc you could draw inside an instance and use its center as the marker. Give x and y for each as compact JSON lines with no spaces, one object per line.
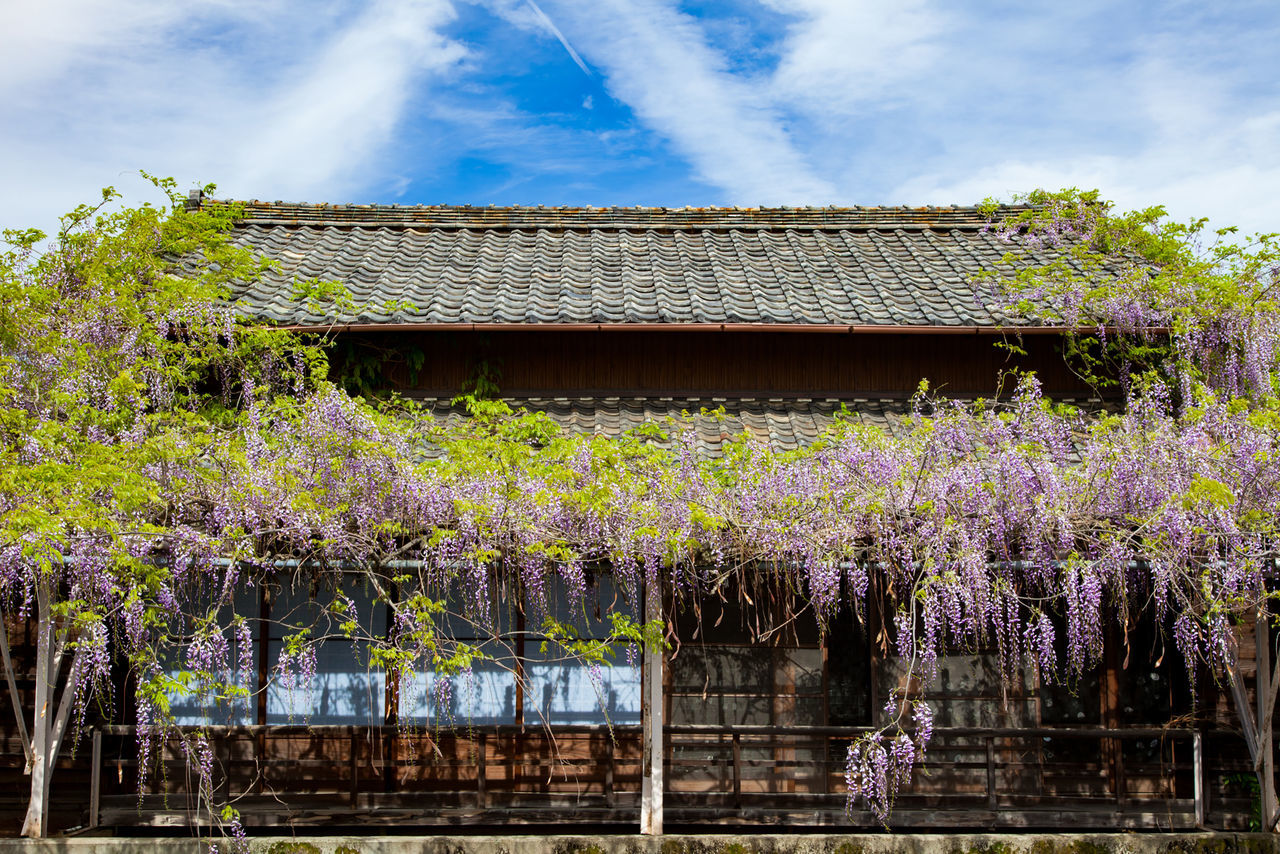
{"x":842,"y":54}
{"x":271,"y":99}
{"x":39,"y":40}
{"x":1191,"y":141}
{"x":1224,"y":175}
{"x":656,"y":60}
{"x":317,"y":130}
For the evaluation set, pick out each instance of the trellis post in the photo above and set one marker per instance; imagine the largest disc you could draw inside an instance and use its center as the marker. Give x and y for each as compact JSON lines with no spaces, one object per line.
{"x":651,"y":713}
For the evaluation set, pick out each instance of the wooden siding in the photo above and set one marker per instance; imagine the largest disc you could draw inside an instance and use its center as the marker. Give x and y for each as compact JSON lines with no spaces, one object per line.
{"x":735,"y":364}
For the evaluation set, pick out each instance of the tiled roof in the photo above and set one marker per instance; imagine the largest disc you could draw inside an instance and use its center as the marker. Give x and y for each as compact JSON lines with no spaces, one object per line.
{"x":461,"y":265}
{"x":783,"y":424}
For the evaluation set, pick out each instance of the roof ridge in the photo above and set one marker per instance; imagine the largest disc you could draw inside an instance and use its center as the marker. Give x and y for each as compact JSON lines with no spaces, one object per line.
{"x":608,"y":218}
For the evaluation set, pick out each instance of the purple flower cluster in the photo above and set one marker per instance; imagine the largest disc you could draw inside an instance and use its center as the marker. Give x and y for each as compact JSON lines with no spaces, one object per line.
{"x":176,"y":462}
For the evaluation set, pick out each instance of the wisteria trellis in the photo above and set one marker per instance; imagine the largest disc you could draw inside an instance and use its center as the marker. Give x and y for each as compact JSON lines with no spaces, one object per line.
{"x":160,"y":454}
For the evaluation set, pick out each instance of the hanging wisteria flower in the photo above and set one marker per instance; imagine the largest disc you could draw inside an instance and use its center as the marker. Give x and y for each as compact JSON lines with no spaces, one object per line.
{"x":163,"y":456}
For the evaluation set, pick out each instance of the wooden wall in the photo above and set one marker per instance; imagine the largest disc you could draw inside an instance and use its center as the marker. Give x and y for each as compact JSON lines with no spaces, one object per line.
{"x":736,"y":364}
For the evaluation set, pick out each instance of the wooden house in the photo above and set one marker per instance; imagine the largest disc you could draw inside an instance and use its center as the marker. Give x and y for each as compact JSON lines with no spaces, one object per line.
{"x":607,"y":318}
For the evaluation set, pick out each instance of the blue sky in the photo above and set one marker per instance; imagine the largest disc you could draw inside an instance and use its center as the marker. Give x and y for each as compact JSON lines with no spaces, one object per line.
{"x":649,"y":102}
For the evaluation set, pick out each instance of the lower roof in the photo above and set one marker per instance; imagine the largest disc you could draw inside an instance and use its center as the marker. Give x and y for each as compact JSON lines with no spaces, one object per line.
{"x":783,"y":424}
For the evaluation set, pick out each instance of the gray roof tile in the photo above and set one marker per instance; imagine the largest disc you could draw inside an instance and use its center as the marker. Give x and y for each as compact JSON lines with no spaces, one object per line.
{"x":781,"y":424}
{"x":821,"y":266}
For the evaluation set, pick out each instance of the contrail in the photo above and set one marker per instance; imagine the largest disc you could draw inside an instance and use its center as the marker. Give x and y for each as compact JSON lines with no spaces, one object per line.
{"x":555,"y":31}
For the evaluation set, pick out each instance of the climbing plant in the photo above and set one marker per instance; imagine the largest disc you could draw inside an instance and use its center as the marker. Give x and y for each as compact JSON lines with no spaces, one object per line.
{"x":162,"y":452}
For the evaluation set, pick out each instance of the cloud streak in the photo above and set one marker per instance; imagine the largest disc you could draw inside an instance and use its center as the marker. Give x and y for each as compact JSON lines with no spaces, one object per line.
{"x":657,"y":61}
{"x":555,"y":31}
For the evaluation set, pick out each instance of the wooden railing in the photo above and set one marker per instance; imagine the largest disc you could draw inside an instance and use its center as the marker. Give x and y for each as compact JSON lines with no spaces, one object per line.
{"x":334,"y":775}
{"x":1053,"y":778}
{"x":1145,"y":778}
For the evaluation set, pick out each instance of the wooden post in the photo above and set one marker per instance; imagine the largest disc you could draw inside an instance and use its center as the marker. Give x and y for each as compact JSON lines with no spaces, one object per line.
{"x":1264,"y":763}
{"x":391,"y":761}
{"x":1122,"y":786}
{"x":651,"y":713}
{"x":1113,"y":748}
{"x":355,"y":768}
{"x":782,"y":776}
{"x":1197,"y":771}
{"x":482,"y":798}
{"x":737,"y":771}
{"x":95,"y":779}
{"x":609,"y":800}
{"x":520,"y":662}
{"x":991,"y":771}
{"x":259,"y":784}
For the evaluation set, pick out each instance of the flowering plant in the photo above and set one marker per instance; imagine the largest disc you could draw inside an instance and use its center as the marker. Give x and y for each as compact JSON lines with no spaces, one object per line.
{"x":162,"y":453}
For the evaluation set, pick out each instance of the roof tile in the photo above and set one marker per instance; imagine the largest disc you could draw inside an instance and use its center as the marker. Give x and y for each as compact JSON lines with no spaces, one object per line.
{"x":821,"y":266}
{"x":779,"y":424}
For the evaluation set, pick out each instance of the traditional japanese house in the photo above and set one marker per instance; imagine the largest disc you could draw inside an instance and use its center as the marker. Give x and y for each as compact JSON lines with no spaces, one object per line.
{"x":605,"y":318}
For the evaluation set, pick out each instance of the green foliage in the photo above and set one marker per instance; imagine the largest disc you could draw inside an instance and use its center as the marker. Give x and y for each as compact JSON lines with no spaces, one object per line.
{"x":294,"y":846}
{"x":158,"y":453}
{"x":362,"y":368}
{"x":1139,"y":294}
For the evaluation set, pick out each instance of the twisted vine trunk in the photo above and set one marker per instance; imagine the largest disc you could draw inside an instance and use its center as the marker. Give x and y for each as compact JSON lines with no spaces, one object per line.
{"x":52,"y":709}
{"x":1257,"y":725}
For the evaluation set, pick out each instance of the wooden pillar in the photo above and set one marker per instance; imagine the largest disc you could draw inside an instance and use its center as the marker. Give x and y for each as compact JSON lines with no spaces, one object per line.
{"x":1197,"y":770}
{"x":482,"y":796}
{"x":783,"y":774}
{"x":264,"y":643}
{"x":1264,"y":762}
{"x":520,"y":662}
{"x":737,"y":770}
{"x":1113,"y":748}
{"x":651,"y":714}
{"x":259,"y":784}
{"x":354,"y":758}
{"x":992,"y":798}
{"x":95,"y":778}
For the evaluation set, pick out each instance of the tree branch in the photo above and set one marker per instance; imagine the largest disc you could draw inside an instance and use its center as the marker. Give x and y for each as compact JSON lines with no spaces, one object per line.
{"x":13,"y":690}
{"x":1244,"y":711}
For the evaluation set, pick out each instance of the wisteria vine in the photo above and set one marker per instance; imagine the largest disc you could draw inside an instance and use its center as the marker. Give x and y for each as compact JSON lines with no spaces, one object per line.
{"x":162,"y":454}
